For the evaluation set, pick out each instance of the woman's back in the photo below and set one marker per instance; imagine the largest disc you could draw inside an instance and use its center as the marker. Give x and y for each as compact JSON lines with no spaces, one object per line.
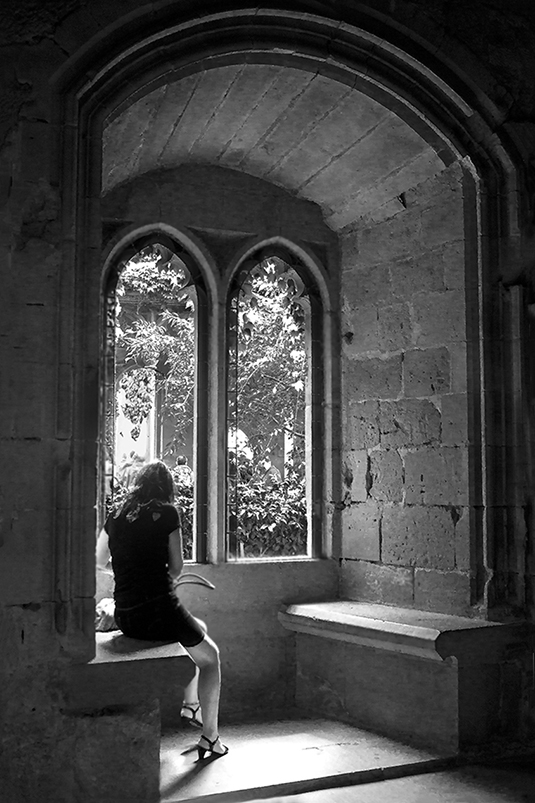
{"x":139,"y":547}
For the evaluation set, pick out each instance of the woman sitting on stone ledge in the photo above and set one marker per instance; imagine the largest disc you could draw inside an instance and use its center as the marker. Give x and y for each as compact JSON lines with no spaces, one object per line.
{"x":144,"y":542}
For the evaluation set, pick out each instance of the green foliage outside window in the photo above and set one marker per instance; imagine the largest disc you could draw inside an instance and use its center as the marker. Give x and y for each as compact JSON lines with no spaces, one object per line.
{"x":155,"y":347}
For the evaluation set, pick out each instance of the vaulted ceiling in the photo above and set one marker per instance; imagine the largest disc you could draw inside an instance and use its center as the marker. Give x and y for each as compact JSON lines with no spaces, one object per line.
{"x":316,"y":137}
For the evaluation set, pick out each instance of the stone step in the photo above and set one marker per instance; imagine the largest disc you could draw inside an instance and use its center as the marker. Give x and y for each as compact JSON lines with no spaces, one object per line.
{"x":285,"y":758}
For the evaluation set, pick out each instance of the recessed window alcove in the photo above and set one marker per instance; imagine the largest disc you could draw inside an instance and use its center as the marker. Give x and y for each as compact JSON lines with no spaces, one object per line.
{"x":376,"y":192}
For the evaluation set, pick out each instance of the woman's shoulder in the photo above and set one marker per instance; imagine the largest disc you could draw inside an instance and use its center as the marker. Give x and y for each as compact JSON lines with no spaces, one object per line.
{"x":167,"y":512}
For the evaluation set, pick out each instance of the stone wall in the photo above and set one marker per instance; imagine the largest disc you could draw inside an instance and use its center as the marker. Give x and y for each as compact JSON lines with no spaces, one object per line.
{"x":414,"y":406}
{"x":406,"y":473}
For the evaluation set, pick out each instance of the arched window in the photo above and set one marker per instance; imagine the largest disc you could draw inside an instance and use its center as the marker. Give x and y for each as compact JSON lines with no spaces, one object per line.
{"x":274,"y":409}
{"x":154,"y":308}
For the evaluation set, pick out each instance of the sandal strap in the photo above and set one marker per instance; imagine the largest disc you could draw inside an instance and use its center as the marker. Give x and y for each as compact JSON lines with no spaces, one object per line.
{"x":208,"y":741}
{"x":194,"y":707}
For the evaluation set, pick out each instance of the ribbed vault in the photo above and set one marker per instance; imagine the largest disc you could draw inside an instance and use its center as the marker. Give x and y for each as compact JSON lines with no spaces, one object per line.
{"x":320,"y":139}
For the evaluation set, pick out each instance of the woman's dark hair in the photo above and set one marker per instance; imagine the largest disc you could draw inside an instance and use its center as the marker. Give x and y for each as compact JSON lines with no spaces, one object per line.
{"x":153,"y":487}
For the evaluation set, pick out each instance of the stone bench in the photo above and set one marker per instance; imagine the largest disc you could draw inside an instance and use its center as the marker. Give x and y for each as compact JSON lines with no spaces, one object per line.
{"x":450,"y":682}
{"x":128,"y":671}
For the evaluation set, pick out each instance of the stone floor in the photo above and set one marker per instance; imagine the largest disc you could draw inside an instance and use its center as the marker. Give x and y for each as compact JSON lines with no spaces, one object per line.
{"x":313,"y":761}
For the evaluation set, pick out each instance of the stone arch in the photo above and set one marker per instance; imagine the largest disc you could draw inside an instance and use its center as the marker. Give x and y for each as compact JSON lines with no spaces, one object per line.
{"x":300,"y":251}
{"x":131,"y":238}
{"x":434,"y":102}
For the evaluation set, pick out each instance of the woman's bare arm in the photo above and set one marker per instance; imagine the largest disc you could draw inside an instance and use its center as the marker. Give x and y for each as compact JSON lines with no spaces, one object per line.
{"x":176,"y":557}
{"x":103,"y":551}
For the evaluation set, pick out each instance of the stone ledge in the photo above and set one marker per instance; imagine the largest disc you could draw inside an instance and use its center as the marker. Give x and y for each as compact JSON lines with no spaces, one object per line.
{"x":432,"y":636}
{"x":128,"y":671}
{"x":113,"y":646}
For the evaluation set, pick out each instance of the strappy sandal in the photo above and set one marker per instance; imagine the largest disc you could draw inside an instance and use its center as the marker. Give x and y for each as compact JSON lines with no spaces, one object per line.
{"x":212,"y":753}
{"x":191,"y":713}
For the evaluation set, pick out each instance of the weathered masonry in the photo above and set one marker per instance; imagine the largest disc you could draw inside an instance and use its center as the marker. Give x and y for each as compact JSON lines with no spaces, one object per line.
{"x":387,"y":148}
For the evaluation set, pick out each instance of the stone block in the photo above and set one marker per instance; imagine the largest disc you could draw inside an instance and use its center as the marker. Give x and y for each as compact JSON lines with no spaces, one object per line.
{"x":463,"y":545}
{"x":171,"y":104}
{"x":320,"y":96}
{"x":412,"y":700}
{"x":361,"y":429}
{"x":35,"y":149}
{"x":439,"y":318}
{"x":264,"y":585}
{"x":378,"y":197}
{"x":458,"y":367}
{"x":287,"y":86}
{"x":23,"y":581}
{"x":40,"y":212}
{"x":367,"y":285}
{"x":355,"y":476}
{"x":321,"y":676}
{"x":372,"y":379}
{"x":395,"y":327}
{"x":24,"y":343}
{"x":445,"y":592}
{"x":426,"y":372}
{"x":347,"y":122}
{"x":454,"y":408}
{"x":394,"y":238}
{"x":436,"y":476}
{"x":37,"y":265}
{"x":373,"y":582}
{"x":360,"y":532}
{"x":117,"y":754}
{"x":28,"y":481}
{"x":75,"y":30}
{"x":480,"y":712}
{"x":418,"y":536}
{"x":408,"y":422}
{"x":36,"y":760}
{"x":386,"y":476}
{"x":361,"y":333}
{"x":251,"y":687}
{"x":419,"y":273}
{"x":377,"y":690}
{"x":28,"y":394}
{"x":453,"y":255}
{"x":442,"y":222}
{"x":27,"y":634}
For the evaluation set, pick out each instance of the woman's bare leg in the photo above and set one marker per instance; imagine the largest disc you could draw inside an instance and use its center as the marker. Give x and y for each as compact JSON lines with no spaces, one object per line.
{"x":206,"y":656}
{"x":191,"y":691}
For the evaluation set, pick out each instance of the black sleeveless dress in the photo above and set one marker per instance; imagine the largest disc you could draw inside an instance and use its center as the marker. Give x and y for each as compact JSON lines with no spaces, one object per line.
{"x":145,"y":605}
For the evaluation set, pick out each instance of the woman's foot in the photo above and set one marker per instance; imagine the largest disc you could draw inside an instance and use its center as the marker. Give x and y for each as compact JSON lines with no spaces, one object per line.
{"x":191,"y":713}
{"x":212,"y":748}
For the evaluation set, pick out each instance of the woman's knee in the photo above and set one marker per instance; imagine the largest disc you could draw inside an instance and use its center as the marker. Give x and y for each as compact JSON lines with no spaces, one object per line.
{"x":206,"y":653}
{"x":201,"y":624}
